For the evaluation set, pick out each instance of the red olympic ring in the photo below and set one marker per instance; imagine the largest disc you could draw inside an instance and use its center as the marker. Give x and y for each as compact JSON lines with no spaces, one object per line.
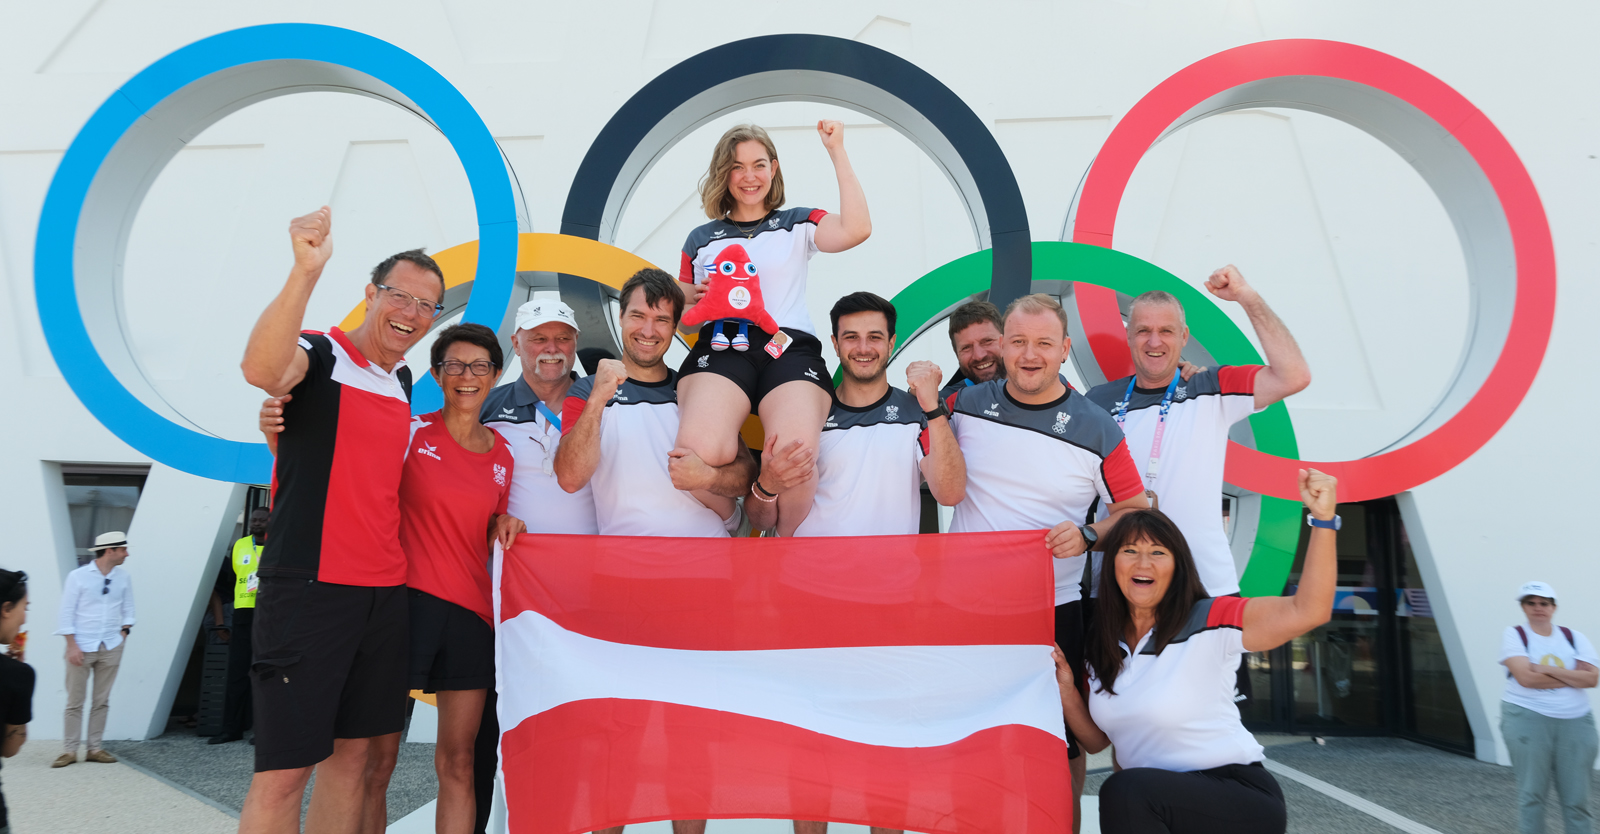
{"x":1507,"y":383}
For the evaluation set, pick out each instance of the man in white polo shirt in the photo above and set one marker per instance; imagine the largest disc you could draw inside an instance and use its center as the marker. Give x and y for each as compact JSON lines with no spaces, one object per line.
{"x":1190,"y":418}
{"x":879,"y":443}
{"x":1038,"y":456}
{"x":619,"y":431}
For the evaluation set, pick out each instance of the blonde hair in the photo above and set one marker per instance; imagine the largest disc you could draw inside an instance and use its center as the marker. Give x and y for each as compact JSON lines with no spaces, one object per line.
{"x":1037,"y":303}
{"x":714,"y":195}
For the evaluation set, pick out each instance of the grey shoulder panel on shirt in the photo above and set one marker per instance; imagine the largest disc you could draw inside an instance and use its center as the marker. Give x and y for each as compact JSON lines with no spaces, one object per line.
{"x":1074,"y":420}
{"x":900,"y":407}
{"x":1198,"y":615}
{"x":1109,"y":395}
{"x":500,"y":406}
{"x":633,"y":393}
{"x":581,"y":388}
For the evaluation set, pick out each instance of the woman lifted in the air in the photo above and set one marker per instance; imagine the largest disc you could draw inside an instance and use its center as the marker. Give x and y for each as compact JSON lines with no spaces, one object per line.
{"x":780,"y":377}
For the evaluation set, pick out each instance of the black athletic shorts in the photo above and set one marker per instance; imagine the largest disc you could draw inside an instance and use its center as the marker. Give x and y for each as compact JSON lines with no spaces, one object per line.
{"x":451,"y":646}
{"x":330,"y":662}
{"x":1069,"y":636}
{"x":754,"y":370}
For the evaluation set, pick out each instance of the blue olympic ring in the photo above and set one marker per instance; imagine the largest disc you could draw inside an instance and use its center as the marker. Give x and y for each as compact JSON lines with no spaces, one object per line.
{"x":169,"y":102}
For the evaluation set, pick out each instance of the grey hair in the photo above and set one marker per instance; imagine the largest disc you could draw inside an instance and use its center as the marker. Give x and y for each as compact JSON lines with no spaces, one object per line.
{"x":1160,"y":297}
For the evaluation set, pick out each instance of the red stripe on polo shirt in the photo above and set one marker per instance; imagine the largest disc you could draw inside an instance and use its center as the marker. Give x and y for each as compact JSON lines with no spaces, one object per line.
{"x":1238,"y":379}
{"x":1121,"y":474}
{"x":1226,"y":611}
{"x":571,"y":410}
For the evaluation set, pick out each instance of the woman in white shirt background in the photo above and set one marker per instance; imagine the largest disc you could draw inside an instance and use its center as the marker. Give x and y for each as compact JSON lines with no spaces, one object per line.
{"x":1189,"y":765}
{"x":1544,"y":713}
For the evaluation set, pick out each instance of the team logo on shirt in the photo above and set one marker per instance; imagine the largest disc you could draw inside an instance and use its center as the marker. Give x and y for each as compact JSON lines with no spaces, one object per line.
{"x":1183,"y":391}
{"x":812,"y":372}
{"x":773,"y":223}
{"x":704,"y":361}
{"x":508,"y":412}
{"x":1061,"y":422}
{"x":718,"y":233}
{"x":993,"y":410}
{"x":430,"y":451}
{"x":1119,"y":405}
{"x":499,"y":475}
{"x":891,"y":412}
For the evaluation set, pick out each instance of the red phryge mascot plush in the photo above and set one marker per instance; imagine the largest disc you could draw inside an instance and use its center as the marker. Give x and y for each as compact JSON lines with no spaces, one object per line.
{"x":733,"y":293}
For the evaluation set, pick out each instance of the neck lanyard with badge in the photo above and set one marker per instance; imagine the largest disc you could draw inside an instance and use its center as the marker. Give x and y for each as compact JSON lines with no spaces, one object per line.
{"x":554,"y":419}
{"x":1154,"y":468}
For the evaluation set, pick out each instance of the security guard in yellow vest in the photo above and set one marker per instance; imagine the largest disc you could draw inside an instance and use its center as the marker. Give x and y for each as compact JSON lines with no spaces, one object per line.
{"x":246,"y":558}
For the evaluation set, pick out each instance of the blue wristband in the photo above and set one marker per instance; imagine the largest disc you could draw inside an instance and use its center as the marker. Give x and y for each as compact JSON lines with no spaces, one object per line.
{"x":1331,"y":524}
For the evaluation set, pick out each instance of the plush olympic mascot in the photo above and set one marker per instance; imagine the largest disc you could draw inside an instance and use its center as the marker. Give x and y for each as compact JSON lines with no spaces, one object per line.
{"x":733,"y":293}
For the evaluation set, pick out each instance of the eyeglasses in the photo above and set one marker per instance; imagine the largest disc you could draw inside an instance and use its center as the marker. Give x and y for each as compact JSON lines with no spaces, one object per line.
{"x":453,"y":368}
{"x":400,"y":300}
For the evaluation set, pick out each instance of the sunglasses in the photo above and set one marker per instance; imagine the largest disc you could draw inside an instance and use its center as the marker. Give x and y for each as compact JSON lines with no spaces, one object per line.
{"x":106,"y":588}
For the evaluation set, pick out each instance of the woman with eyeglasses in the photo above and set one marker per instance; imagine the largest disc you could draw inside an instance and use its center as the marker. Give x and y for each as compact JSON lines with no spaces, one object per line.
{"x":1161,"y":658}
{"x":453,"y":495}
{"x":16,"y":677}
{"x":1544,"y":714}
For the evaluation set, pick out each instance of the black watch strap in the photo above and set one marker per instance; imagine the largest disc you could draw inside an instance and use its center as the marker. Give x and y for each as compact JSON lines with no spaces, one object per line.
{"x":938,"y":411}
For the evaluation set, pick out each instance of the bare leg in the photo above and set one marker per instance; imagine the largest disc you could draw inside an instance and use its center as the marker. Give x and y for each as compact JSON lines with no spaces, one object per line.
{"x":688,"y":827}
{"x":1079,"y":768}
{"x":795,"y":411}
{"x":337,"y":799}
{"x":273,"y":804}
{"x":615,"y":830}
{"x":711,"y":409}
{"x":382,"y":751}
{"x":460,"y":713}
{"x":810,"y":827}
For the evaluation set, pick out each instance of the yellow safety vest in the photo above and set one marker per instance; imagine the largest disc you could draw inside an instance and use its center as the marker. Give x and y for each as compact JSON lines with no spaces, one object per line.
{"x":246,"y":559}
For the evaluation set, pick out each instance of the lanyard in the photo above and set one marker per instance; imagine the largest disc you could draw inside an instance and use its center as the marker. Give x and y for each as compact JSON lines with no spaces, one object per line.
{"x":554,"y":418}
{"x":1154,"y":468}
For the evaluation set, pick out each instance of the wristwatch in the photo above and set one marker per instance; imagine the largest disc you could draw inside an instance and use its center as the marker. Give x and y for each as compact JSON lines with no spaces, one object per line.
{"x":1331,"y":524}
{"x":938,"y":411}
{"x":1090,"y":537}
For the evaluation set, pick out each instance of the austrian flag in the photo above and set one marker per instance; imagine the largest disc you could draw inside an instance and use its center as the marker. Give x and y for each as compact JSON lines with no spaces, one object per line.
{"x":897,"y":681}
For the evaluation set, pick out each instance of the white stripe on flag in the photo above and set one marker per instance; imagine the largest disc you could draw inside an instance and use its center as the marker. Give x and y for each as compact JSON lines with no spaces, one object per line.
{"x":896,"y":696}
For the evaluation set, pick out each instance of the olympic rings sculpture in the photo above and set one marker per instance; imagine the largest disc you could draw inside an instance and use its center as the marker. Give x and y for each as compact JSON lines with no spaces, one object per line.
{"x":1478,"y":177}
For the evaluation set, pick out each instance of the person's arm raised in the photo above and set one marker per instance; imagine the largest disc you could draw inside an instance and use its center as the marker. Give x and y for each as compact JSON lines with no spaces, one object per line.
{"x":1286,"y":372}
{"x":853,"y":224}
{"x":1270,"y":622}
{"x":943,"y":467}
{"x":578,"y":456}
{"x":273,"y":360}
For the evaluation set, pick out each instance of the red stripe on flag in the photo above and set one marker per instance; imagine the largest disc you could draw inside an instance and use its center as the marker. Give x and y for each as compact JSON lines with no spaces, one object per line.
{"x":745,"y":594}
{"x":587,"y":765}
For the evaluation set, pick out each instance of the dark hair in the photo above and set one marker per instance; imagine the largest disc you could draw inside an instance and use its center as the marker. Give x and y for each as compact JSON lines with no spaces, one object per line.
{"x":862,"y":302}
{"x":416,"y":257}
{"x":1111,"y":614}
{"x":657,"y":285}
{"x":13,"y":586}
{"x":472,"y":334}
{"x":974,"y":312}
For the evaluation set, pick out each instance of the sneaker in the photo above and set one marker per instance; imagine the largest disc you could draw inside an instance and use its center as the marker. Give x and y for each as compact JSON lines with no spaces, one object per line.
{"x":741,"y":342}
{"x":719,"y":341}
{"x":100,"y":756}
{"x":65,"y":759}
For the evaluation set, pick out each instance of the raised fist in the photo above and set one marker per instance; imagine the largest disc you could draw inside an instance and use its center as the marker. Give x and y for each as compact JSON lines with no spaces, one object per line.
{"x":312,"y":236}
{"x":832,"y":134}
{"x":922,"y":379}
{"x":608,"y":377}
{"x":1320,"y":492}
{"x":1228,"y":285}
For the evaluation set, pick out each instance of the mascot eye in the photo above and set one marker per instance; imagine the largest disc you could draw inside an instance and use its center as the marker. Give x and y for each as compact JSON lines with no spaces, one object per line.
{"x":750,"y":270}
{"x":726,"y":267}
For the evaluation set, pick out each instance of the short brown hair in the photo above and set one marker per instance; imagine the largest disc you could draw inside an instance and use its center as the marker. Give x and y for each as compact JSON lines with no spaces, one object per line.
{"x":974,"y":312}
{"x":656,"y":285}
{"x":415,"y":257}
{"x":714,"y":196}
{"x":1037,"y":303}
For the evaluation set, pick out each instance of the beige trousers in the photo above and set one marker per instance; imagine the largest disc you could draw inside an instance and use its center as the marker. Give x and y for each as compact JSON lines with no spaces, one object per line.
{"x":104,"y":664}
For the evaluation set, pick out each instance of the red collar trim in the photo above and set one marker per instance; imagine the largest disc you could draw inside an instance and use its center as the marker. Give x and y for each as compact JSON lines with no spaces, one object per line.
{"x":337,"y":335}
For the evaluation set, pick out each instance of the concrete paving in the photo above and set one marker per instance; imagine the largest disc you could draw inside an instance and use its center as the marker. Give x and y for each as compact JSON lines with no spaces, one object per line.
{"x":177,"y":784}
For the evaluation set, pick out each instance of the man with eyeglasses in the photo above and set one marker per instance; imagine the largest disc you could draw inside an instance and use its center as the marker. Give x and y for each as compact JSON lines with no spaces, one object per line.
{"x":331,"y":663}
{"x":96,"y":618}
